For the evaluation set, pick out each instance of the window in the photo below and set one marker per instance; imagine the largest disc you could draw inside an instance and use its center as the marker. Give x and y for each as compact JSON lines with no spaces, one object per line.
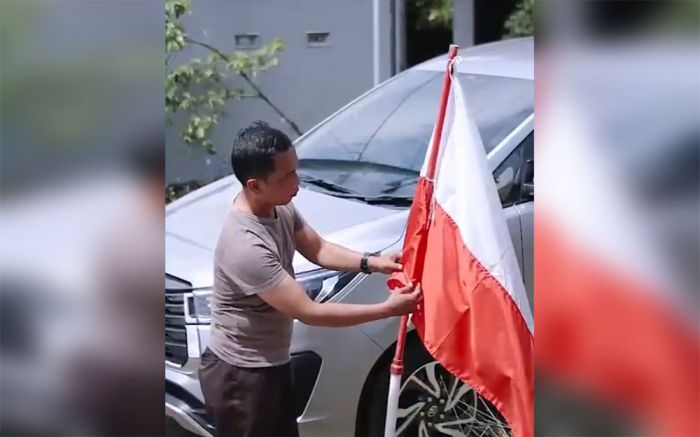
{"x":317,"y":39}
{"x":516,"y":170}
{"x":246,"y":40}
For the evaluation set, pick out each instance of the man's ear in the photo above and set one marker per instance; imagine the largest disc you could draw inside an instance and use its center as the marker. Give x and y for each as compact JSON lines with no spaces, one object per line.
{"x":253,"y":185}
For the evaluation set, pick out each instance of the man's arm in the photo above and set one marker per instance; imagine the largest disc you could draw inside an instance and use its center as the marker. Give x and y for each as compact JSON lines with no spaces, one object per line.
{"x":334,"y":257}
{"x":289,"y":298}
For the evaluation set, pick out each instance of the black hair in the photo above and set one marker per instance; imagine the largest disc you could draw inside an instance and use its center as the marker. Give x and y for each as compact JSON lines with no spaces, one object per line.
{"x":254,"y":149}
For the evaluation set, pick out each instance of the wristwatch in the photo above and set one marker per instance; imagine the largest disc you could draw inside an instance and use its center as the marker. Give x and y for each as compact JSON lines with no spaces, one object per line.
{"x":364,"y":263}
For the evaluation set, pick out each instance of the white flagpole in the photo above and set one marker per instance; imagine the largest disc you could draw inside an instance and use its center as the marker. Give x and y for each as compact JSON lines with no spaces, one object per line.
{"x":392,"y":405}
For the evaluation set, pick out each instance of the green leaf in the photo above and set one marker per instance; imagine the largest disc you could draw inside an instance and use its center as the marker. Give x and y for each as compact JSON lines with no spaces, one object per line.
{"x":522,"y":20}
{"x":180,"y":9}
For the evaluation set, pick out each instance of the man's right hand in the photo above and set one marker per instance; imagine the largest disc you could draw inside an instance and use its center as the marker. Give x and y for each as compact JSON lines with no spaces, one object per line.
{"x":403,"y":301}
{"x":289,"y":298}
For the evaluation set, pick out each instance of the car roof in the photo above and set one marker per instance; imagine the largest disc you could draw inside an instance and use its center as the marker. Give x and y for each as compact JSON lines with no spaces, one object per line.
{"x":508,"y":58}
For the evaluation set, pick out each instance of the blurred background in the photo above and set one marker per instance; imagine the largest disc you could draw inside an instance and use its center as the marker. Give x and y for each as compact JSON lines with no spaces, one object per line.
{"x":617,"y":233}
{"x":81,"y":217}
{"x":87,"y":150}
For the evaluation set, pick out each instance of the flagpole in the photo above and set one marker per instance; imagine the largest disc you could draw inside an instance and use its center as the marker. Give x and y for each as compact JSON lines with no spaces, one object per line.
{"x":397,"y":364}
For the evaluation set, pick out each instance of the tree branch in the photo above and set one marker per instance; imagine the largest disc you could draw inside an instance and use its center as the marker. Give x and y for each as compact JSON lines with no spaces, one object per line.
{"x":259,"y":92}
{"x":293,"y":125}
{"x":207,"y":46}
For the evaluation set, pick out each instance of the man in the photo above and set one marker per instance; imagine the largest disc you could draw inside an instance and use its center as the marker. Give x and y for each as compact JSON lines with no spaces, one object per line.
{"x":245,"y":373}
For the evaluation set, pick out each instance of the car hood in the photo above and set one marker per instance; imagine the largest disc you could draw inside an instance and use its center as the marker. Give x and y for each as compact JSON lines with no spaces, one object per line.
{"x":193,"y":223}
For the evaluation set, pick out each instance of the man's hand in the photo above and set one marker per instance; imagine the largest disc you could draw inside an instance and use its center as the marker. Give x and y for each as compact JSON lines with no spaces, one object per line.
{"x":403,"y":301}
{"x":385,"y":263}
{"x":289,"y":298}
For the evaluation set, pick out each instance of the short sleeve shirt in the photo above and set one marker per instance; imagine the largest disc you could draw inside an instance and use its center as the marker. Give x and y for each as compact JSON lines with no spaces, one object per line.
{"x":253,"y":254}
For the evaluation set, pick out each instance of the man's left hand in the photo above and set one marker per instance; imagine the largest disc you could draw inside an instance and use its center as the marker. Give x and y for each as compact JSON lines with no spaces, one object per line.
{"x":385,"y":263}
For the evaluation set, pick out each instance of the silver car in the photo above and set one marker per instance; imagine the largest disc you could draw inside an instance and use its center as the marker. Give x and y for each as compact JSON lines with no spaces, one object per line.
{"x":358,"y":170}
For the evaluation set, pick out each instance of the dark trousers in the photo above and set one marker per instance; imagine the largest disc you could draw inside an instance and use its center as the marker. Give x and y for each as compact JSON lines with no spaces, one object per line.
{"x":248,"y":402}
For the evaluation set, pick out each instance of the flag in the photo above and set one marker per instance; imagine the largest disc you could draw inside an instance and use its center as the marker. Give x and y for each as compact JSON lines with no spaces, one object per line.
{"x":475,"y":319}
{"x":613,"y":327}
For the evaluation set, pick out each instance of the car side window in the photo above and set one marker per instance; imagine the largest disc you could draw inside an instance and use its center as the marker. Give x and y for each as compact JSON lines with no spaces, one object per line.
{"x":528,"y":174}
{"x":513,"y":173}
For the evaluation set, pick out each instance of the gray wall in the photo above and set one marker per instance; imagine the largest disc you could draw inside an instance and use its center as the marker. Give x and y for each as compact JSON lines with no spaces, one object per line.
{"x":309,"y":84}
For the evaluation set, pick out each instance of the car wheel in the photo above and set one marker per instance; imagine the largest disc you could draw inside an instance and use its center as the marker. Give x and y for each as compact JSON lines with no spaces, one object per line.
{"x":432,"y":402}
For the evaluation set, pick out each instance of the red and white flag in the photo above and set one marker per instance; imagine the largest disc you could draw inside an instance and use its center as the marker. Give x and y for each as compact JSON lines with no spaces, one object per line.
{"x":475,"y":319}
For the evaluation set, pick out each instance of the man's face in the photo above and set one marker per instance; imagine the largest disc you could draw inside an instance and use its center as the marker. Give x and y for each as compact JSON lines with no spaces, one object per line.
{"x":280,"y":186}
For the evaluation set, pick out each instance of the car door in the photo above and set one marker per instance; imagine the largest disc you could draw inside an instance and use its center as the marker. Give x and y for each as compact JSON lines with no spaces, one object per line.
{"x":512,"y":178}
{"x":526,"y":211}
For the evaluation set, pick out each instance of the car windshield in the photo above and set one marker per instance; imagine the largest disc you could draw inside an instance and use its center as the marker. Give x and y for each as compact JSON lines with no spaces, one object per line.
{"x":376,"y":147}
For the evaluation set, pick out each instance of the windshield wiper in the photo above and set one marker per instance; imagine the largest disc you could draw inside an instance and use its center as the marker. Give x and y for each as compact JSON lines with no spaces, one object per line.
{"x":345,"y":193}
{"x":401,"y":183}
{"x":378,"y":200}
{"x":388,"y":200}
{"x":324,"y":184}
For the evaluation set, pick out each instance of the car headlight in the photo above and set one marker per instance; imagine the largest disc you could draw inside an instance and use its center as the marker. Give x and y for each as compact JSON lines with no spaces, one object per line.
{"x":199,"y":306}
{"x":321,"y":285}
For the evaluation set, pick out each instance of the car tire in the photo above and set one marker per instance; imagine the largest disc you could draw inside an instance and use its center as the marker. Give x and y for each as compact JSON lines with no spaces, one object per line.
{"x":427,"y":414}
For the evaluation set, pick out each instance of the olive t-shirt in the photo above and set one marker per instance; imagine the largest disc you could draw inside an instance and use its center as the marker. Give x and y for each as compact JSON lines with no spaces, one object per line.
{"x":253,"y":254}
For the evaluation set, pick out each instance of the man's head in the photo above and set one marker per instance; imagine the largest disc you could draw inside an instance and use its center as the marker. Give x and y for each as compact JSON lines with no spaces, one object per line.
{"x":265,"y":163}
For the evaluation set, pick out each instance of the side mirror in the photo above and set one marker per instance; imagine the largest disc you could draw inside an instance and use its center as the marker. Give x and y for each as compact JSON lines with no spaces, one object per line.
{"x":529,"y":179}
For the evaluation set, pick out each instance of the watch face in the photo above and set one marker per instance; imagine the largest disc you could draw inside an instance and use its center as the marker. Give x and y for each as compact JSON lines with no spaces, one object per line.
{"x":363,"y":264}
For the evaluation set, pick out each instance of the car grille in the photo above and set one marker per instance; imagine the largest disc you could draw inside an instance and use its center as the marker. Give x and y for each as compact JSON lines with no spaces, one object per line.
{"x":175,"y":332}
